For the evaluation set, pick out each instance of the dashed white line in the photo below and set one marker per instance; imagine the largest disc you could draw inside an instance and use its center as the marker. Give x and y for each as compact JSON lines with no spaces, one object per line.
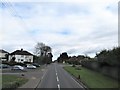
{"x":56,"y":74}
{"x":58,"y":87}
{"x":57,"y":79}
{"x":55,"y":70}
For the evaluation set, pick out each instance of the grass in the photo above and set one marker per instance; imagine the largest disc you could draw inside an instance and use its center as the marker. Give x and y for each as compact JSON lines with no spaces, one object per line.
{"x":93,"y":79}
{"x":0,"y":81}
{"x":12,"y":81}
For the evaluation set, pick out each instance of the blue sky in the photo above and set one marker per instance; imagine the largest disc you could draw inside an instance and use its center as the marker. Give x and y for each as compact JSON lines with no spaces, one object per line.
{"x":84,"y":27}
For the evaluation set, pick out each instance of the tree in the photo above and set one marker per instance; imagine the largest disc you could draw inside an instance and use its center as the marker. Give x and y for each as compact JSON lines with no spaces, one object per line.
{"x":42,"y":52}
{"x":109,"y":57}
{"x":63,"y":57}
{"x":41,"y":49}
{"x":47,"y":49}
{"x":49,"y":58}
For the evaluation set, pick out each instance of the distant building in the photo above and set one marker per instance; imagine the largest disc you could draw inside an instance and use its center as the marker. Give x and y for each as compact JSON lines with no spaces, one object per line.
{"x":3,"y":55}
{"x":21,"y":56}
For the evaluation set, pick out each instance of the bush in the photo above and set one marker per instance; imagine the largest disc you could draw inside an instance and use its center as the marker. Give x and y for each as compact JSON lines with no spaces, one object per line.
{"x":111,"y":57}
{"x":73,"y":65}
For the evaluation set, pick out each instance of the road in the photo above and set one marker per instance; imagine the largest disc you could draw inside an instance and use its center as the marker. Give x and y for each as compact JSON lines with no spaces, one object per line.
{"x":57,"y":77}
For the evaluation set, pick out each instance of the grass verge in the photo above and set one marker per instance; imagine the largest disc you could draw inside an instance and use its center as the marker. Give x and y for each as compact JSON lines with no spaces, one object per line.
{"x":12,"y":81}
{"x":93,"y":79}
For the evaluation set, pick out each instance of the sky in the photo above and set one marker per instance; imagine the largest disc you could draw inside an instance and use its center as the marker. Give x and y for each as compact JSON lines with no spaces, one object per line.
{"x":78,"y":27}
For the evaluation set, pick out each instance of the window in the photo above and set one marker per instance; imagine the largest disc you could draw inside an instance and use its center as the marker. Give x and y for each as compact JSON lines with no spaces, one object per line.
{"x":21,"y":59}
{"x":29,"y":60}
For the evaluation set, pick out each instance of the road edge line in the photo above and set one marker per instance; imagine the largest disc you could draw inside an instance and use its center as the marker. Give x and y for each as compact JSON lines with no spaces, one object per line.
{"x":77,"y":81}
{"x":40,"y":80}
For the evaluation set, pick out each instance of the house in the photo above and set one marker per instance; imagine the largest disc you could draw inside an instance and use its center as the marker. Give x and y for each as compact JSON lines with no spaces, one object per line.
{"x":21,"y":56}
{"x":3,"y":55}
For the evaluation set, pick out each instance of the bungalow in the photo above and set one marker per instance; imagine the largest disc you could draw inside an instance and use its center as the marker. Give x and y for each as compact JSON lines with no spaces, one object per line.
{"x":21,"y":56}
{"x":3,"y":55}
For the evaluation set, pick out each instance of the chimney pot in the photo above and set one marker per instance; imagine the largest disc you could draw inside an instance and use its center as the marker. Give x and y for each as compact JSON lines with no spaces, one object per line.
{"x":21,"y":49}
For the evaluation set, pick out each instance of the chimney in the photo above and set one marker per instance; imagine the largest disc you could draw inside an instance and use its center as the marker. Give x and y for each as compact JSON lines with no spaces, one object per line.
{"x":21,"y":49}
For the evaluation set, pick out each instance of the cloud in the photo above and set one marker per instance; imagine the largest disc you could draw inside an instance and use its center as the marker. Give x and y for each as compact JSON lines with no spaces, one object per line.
{"x":77,"y":28}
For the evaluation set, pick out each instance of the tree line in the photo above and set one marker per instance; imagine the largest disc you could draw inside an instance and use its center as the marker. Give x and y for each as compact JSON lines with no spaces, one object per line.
{"x":109,"y":57}
{"x":105,"y":58}
{"x":107,"y":61}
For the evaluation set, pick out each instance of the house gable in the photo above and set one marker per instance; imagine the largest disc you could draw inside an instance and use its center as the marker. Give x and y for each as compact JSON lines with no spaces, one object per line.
{"x":21,"y":52}
{"x":21,"y":56}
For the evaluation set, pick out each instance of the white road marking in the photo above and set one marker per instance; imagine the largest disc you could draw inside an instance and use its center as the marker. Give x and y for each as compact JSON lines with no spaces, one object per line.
{"x":75,"y":81}
{"x":56,"y":74}
{"x":58,"y":87}
{"x":44,"y":74}
{"x":55,"y":70}
{"x":57,"y":79}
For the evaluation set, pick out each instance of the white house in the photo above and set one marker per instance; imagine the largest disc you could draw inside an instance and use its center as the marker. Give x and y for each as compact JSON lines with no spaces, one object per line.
{"x":3,"y":55}
{"x":21,"y":56}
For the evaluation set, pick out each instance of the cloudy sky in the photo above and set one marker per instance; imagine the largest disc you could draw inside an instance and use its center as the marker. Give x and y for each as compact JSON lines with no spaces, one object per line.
{"x":73,"y":26}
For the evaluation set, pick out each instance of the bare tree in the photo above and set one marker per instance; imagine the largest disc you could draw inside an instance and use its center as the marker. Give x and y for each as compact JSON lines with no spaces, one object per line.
{"x":39,"y":49}
{"x":42,"y":50}
{"x":47,"y":49}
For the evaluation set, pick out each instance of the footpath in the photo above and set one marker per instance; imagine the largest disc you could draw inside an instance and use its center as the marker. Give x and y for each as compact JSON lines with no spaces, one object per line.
{"x":34,"y":78}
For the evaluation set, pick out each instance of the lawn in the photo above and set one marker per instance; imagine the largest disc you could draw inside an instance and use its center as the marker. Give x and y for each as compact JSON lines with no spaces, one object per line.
{"x":0,"y":81}
{"x":12,"y":81}
{"x":93,"y":79}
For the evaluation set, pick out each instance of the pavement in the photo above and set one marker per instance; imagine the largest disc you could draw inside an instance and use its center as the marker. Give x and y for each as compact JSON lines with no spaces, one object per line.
{"x":34,"y":78}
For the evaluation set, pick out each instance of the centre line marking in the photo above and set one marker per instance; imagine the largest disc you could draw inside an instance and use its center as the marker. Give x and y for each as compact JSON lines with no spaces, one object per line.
{"x":56,"y":74}
{"x":58,"y":86}
{"x":57,"y":79}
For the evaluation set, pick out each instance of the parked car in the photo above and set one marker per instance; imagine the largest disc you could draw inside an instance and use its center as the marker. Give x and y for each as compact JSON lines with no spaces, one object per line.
{"x":30,"y":66}
{"x":4,"y":66}
{"x":17,"y":67}
{"x":36,"y":64}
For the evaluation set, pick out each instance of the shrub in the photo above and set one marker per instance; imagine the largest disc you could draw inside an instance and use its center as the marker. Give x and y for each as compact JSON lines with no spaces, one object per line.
{"x":73,"y":65}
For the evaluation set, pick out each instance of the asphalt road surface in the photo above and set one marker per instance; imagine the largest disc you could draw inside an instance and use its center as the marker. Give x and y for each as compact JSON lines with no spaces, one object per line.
{"x":57,"y":77}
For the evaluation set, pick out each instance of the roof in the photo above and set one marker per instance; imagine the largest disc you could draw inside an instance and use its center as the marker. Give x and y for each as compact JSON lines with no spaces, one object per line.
{"x":20,"y":52}
{"x":3,"y":51}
